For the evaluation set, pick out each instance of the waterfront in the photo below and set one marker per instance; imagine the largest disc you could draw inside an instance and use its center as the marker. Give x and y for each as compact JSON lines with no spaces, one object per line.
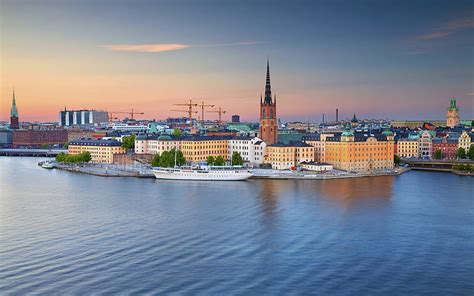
{"x":74,"y":233}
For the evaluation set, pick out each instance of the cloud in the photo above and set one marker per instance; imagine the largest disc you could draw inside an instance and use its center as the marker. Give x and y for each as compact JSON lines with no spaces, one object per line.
{"x":447,"y":29}
{"x":471,"y":94}
{"x":162,"y":47}
{"x":145,"y":47}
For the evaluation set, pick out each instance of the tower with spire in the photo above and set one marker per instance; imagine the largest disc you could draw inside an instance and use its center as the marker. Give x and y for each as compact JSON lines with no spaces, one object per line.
{"x":452,"y":116}
{"x":14,"y":123}
{"x":268,"y":118}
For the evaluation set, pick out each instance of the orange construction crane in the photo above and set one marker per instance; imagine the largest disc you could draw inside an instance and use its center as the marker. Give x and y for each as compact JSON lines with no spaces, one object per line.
{"x":220,"y":112}
{"x":132,"y":113}
{"x":190,"y":110}
{"x":202,"y":105}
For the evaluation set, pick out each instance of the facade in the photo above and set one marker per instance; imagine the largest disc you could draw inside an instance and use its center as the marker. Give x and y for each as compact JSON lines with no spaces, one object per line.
{"x":408,"y":148}
{"x":425,"y":145}
{"x":74,"y":134}
{"x":316,"y":167}
{"x":268,"y":117}
{"x":287,"y":156}
{"x":452,"y":116}
{"x":39,"y":137}
{"x":318,"y":141}
{"x":448,"y":147}
{"x":360,"y":153}
{"x":102,"y":151}
{"x":123,"y":127}
{"x":252,"y":150}
{"x":6,"y":138}
{"x":199,"y":148}
{"x":14,"y":121}
{"x":464,"y":141}
{"x":156,"y":144}
{"x":82,"y":117}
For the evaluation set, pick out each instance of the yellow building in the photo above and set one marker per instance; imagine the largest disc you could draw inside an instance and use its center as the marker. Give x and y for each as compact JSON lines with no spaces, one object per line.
{"x":199,"y":148}
{"x":284,"y":156}
{"x":407,"y":148}
{"x":360,"y":153}
{"x":319,"y":144}
{"x":102,"y":151}
{"x":464,"y":141}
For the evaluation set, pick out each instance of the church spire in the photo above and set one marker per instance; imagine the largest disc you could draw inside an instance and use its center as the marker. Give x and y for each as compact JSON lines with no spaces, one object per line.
{"x":14,"y":110}
{"x":268,"y":88}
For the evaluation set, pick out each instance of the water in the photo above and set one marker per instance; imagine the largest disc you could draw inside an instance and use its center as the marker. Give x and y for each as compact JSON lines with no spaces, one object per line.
{"x":66,"y":233}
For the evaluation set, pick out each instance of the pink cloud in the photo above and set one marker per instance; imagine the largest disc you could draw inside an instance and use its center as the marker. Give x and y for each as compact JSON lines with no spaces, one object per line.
{"x":146,"y":47}
{"x":448,"y":28}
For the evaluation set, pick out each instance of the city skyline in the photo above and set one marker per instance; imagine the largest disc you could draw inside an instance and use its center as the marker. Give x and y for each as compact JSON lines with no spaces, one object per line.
{"x":377,"y":60}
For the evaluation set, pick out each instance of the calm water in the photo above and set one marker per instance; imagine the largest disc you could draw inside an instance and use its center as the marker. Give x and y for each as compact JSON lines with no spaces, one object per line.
{"x":65,"y":233}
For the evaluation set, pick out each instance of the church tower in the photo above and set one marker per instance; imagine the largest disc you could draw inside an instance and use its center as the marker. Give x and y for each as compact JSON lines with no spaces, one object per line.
{"x":14,"y":123}
{"x":452,"y":117}
{"x":268,"y":118}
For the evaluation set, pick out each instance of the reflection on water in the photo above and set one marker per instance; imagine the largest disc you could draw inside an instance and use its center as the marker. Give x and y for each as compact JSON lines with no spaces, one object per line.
{"x":65,"y":233}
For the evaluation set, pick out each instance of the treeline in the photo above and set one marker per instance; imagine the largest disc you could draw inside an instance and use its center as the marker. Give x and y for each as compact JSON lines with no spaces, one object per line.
{"x":463,"y":167}
{"x":74,"y":158}
{"x":166,"y":159}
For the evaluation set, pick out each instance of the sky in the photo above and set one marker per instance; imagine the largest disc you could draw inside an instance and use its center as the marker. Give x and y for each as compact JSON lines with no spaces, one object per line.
{"x":377,"y":59}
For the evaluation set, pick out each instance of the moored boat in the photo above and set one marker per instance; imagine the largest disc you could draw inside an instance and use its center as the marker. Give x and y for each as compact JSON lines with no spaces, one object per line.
{"x":47,"y":165}
{"x":203,"y":173}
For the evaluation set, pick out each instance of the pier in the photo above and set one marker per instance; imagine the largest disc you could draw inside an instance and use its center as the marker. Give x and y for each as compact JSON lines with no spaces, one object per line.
{"x":31,"y":152}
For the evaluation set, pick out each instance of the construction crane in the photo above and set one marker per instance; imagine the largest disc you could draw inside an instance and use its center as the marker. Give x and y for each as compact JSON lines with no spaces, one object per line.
{"x":190,"y":111}
{"x":132,"y":113}
{"x":202,"y":105}
{"x":220,"y":112}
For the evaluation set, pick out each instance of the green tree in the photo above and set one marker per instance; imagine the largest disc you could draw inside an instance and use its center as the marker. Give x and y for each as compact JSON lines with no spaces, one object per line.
{"x":461,"y":153}
{"x":155,"y":162}
{"x":219,"y":161}
{"x":85,"y":156}
{"x":396,"y":159}
{"x":211,"y":160}
{"x":438,"y":154}
{"x":176,"y":132}
{"x":61,"y":157}
{"x":65,"y":146}
{"x":470,"y":152}
{"x":167,"y":159}
{"x":237,"y":159}
{"x":128,"y":142}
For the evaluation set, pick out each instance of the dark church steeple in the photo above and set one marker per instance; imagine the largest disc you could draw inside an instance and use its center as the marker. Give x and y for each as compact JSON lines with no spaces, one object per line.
{"x":268,"y":116}
{"x":268,"y":88}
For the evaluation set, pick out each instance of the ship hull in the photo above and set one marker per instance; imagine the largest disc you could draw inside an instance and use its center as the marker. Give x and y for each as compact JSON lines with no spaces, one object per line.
{"x":202,"y":175}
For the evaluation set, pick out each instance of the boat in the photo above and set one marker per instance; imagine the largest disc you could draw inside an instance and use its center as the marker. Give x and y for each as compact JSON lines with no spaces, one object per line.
{"x":203,"y":173}
{"x":47,"y":165}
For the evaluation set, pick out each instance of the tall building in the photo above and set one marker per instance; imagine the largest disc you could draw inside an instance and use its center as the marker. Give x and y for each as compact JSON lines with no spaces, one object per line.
{"x":14,"y":122}
{"x":268,"y":118}
{"x":452,"y":117}
{"x":235,"y":118}
{"x":82,"y":117}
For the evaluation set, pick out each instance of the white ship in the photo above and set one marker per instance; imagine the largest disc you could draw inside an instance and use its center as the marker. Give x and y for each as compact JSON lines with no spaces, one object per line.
{"x":205,"y":173}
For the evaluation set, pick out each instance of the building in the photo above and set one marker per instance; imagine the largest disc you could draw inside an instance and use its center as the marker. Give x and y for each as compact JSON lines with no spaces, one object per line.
{"x":287,"y":156}
{"x":452,"y":116}
{"x":318,"y":141}
{"x":6,"y":138}
{"x":360,"y":152}
{"x":412,"y":124}
{"x":130,"y":128}
{"x":34,"y":138}
{"x":76,"y":133}
{"x":316,"y":167}
{"x":199,"y":148}
{"x":252,"y":150}
{"x":82,"y":117}
{"x":465,"y":141}
{"x":102,"y":151}
{"x":268,"y":117}
{"x":146,"y":144}
{"x":14,"y":121}
{"x":235,"y":118}
{"x":425,"y":145}
{"x":408,"y":148}
{"x":447,"y":146}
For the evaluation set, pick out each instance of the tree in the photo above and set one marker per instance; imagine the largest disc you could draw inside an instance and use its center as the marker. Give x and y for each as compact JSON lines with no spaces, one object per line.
{"x":61,"y":157}
{"x":461,"y":153}
{"x":211,"y":160}
{"x":237,"y":159}
{"x":438,"y":154}
{"x":66,"y":145}
{"x":396,"y":159}
{"x":128,"y":142}
{"x":470,"y":152}
{"x":219,"y":161}
{"x":74,"y":158}
{"x":176,"y":132}
{"x":155,"y":162}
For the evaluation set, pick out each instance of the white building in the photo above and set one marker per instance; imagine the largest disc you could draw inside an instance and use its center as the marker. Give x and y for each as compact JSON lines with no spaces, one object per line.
{"x":251,"y":149}
{"x":316,"y":166}
{"x":123,"y":127}
{"x":82,"y":117}
{"x":425,"y":145}
{"x":464,"y":141}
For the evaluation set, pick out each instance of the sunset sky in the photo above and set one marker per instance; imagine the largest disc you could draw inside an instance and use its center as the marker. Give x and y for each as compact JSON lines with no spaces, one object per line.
{"x":378,"y":59}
